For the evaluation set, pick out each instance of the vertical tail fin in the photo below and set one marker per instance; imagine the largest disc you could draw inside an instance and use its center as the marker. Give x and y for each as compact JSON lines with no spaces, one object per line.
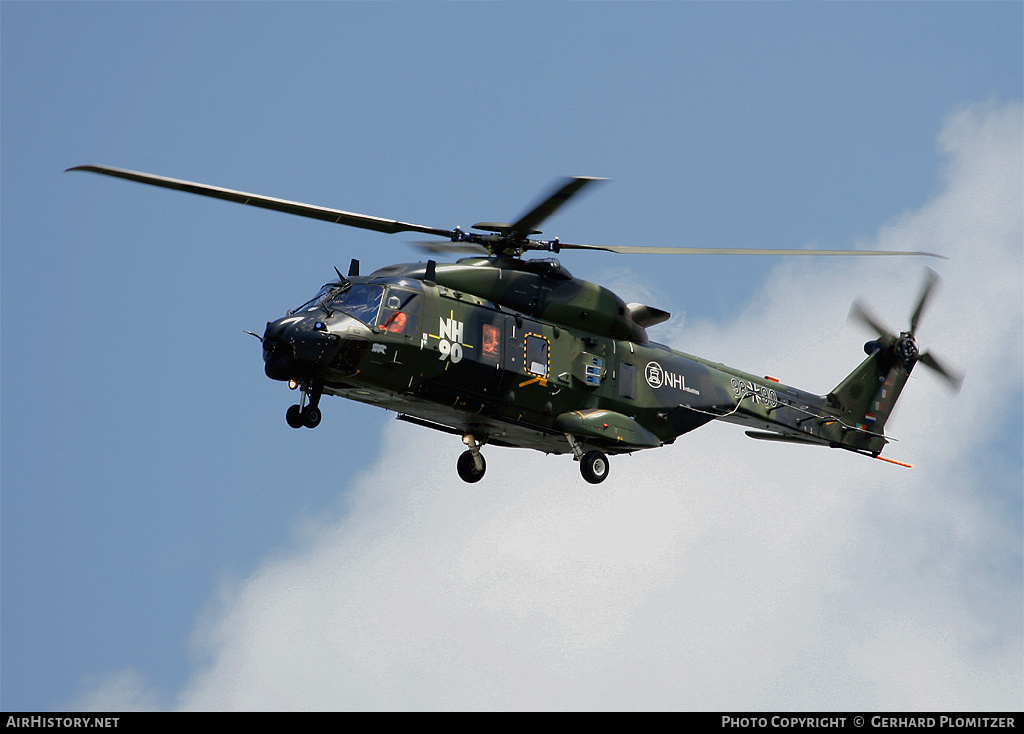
{"x":864,"y":400}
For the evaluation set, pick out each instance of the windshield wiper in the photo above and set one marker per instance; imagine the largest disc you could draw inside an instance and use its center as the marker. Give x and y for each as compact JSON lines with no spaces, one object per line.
{"x":325,"y":301}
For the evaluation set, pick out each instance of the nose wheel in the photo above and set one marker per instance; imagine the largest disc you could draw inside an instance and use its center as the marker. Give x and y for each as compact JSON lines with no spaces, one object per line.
{"x":471,"y":464}
{"x":305,"y":415}
{"x":467,"y":467}
{"x":297,"y":416}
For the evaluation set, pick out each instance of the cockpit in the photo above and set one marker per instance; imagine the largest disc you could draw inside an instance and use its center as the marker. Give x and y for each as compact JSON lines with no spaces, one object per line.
{"x":393,"y":309}
{"x":359,"y":301}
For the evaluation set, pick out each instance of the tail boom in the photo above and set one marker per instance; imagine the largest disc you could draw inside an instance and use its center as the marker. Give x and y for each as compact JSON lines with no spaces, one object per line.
{"x":852,"y":416}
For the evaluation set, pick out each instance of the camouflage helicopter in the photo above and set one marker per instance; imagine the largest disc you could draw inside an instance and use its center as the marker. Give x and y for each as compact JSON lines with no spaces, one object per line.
{"x":516,"y":352}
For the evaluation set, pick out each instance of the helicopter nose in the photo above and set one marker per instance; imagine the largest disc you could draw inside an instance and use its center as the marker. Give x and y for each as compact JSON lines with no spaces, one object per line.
{"x":295,"y":344}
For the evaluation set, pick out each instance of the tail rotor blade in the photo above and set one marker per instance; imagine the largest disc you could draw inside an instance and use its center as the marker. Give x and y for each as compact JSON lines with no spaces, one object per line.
{"x":860,"y":313}
{"x":955,"y":379}
{"x":930,"y":282}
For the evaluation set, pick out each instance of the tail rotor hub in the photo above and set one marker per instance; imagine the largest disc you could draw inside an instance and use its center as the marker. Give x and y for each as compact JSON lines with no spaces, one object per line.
{"x":907,"y":349}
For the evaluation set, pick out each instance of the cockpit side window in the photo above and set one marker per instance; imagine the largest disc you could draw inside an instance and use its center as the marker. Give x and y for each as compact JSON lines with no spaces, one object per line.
{"x":400,"y":312}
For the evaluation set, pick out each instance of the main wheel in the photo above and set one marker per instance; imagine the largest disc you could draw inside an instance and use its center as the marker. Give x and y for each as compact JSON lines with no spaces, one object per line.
{"x":311,"y":416}
{"x":467,"y":467}
{"x":594,"y":467}
{"x":294,"y":417}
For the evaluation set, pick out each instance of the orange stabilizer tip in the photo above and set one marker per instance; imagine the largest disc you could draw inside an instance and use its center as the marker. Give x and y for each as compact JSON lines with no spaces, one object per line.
{"x":893,"y":461}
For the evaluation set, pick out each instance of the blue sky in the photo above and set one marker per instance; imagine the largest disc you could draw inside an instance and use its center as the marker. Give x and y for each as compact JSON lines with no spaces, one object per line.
{"x":167,"y":541}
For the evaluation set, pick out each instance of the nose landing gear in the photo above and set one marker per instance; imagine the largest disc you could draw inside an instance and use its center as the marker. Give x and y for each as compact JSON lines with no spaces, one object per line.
{"x":297,"y":416}
{"x":471,"y":464}
{"x":302,"y":414}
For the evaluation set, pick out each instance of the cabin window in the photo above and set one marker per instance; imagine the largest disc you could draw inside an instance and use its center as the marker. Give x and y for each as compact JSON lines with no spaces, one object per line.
{"x":490,"y":343}
{"x":537,"y":355}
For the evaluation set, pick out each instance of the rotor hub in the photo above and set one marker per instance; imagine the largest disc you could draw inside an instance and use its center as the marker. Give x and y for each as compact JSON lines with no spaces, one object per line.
{"x":907,"y":349}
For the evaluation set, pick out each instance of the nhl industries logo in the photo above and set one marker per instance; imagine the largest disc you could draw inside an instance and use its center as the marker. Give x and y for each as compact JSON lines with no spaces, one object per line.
{"x":657,"y":376}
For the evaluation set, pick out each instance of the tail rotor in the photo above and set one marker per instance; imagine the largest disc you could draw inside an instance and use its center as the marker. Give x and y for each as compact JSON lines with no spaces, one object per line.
{"x":904,"y":346}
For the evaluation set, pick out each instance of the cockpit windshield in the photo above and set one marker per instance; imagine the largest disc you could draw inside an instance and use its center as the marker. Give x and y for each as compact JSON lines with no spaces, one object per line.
{"x":314,"y":303}
{"x":359,"y":301}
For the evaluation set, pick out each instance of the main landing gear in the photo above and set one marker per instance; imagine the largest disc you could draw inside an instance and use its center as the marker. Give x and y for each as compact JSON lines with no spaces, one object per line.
{"x":594,"y":467}
{"x":302,"y":414}
{"x":593,"y":464}
{"x":471,"y":464}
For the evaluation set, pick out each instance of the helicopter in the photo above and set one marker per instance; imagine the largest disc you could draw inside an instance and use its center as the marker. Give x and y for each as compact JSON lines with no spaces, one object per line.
{"x":510,"y":351}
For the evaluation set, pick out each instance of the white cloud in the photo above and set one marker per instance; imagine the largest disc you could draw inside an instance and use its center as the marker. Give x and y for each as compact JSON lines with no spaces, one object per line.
{"x":125,"y":690}
{"x":719,"y":573}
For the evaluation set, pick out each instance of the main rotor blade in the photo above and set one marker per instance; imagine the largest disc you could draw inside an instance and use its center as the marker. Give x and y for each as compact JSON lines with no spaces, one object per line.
{"x":552,"y":203}
{"x":457,"y":248}
{"x":642,"y":250}
{"x":351,"y":219}
{"x":859,"y":312}
{"x":954,"y":378}
{"x":929,"y":284}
